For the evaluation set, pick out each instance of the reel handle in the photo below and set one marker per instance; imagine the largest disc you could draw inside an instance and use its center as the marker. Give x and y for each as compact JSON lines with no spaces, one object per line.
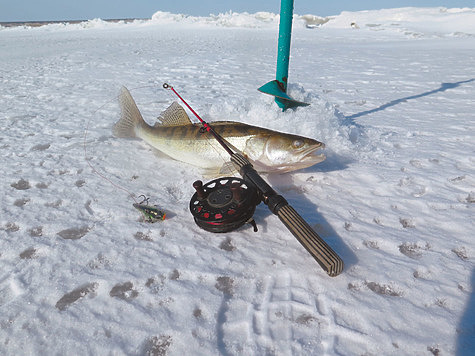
{"x":313,"y":243}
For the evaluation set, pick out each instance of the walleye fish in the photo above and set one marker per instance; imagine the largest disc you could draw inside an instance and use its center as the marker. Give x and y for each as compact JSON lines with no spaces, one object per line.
{"x":176,"y":136}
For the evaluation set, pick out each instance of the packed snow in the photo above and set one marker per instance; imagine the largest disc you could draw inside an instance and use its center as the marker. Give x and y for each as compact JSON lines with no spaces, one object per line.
{"x":392,"y":97}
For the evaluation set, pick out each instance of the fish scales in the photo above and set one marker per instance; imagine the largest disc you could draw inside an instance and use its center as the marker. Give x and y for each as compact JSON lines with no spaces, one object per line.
{"x":268,"y":150}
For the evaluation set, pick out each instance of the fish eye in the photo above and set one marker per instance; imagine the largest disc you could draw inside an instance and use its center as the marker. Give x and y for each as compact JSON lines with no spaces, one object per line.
{"x":297,"y":144}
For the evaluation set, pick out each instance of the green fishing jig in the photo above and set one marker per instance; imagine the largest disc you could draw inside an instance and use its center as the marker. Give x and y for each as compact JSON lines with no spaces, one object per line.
{"x":150,"y":213}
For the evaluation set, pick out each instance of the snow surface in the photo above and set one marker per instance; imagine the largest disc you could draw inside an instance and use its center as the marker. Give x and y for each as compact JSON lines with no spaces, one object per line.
{"x":392,"y":100}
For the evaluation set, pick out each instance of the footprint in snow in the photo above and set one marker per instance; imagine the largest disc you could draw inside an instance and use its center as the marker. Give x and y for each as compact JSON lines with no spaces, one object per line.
{"x":227,"y":245}
{"x":55,"y":204}
{"x":99,"y":262}
{"x":433,"y":350}
{"x":423,"y":274}
{"x":142,"y":236}
{"x":40,"y":147}
{"x":124,"y":291}
{"x":21,"y":202}
{"x":157,"y":345}
{"x":415,"y":189}
{"x":225,"y":285}
{"x":416,"y":163}
{"x":371,"y":244}
{"x":174,"y":275}
{"x":384,"y":289}
{"x":36,"y":231}
{"x":354,"y":286}
{"x":461,"y":253}
{"x":470,"y":198}
{"x":407,"y":223}
{"x":29,"y":254}
{"x":11,"y":227}
{"x":197,"y":313}
{"x":277,"y":309}
{"x":76,"y":294}
{"x":156,"y":283}
{"x":74,"y":233}
{"x":413,"y":250}
{"x":21,"y":185}
{"x":457,"y":179}
{"x":79,"y":183}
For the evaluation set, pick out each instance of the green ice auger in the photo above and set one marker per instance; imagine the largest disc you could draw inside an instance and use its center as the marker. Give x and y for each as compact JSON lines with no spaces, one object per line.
{"x":278,"y":87}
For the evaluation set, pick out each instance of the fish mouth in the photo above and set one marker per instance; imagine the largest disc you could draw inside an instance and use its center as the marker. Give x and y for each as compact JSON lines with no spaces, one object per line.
{"x":310,"y":154}
{"x":306,"y":158}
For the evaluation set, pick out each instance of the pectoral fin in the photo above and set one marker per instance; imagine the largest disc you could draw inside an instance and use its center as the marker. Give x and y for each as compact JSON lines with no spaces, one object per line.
{"x":227,"y":169}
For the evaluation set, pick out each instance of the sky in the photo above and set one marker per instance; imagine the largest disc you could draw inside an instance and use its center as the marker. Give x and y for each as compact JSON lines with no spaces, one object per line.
{"x":50,"y":10}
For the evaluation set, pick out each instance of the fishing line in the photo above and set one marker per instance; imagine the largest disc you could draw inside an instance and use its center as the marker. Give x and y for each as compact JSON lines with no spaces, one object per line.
{"x":204,"y":123}
{"x":204,"y":128}
{"x":227,"y":203}
{"x":88,"y":160}
{"x":94,"y":170}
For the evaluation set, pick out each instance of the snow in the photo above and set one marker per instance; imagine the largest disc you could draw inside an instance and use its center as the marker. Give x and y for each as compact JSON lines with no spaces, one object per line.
{"x":410,"y":20}
{"x":392,"y":101}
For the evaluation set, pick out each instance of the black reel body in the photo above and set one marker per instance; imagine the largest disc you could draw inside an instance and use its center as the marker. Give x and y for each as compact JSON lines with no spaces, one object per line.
{"x":224,"y":204}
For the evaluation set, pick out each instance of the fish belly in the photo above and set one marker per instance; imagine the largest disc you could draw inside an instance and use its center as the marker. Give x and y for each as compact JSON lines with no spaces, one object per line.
{"x":204,"y":152}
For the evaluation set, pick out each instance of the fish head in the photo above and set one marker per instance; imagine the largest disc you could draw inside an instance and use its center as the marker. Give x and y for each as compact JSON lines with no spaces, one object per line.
{"x":286,"y":152}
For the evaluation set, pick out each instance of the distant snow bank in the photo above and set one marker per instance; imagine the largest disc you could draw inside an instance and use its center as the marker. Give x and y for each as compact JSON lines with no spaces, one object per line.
{"x":425,"y":20}
{"x":409,"y":20}
{"x":228,"y":19}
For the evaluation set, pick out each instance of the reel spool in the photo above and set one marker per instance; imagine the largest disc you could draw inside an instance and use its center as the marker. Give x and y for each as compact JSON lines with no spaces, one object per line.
{"x":224,"y":204}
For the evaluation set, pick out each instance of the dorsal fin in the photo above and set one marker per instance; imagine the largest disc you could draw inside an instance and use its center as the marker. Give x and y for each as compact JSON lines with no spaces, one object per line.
{"x":175,"y":115}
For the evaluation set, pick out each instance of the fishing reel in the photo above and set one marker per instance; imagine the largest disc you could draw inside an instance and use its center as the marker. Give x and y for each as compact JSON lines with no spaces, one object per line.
{"x":224,"y":204}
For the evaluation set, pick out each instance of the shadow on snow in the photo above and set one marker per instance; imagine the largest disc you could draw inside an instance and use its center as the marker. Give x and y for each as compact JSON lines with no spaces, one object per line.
{"x":466,"y":327}
{"x":308,"y":210}
{"x":443,"y":87}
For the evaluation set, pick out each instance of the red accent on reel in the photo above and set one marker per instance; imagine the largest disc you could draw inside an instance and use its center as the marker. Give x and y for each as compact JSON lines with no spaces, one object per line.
{"x":224,"y":204}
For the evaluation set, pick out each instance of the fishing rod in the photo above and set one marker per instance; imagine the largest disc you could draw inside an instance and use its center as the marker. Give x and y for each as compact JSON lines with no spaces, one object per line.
{"x":210,"y":199}
{"x":205,"y":124}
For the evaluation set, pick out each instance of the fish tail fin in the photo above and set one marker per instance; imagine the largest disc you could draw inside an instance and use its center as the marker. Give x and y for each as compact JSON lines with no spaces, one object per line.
{"x":130,"y":116}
